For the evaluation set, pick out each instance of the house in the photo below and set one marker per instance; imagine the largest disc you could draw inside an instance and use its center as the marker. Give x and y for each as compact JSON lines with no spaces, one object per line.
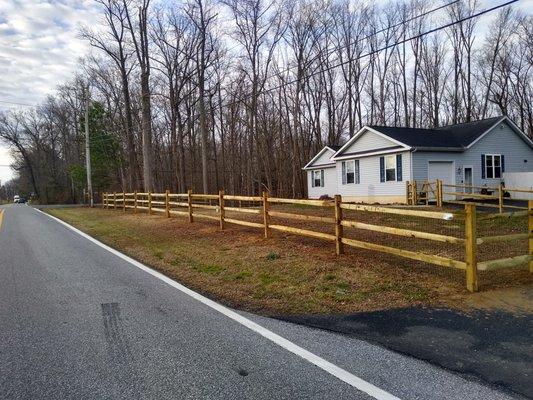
{"x":375,"y":163}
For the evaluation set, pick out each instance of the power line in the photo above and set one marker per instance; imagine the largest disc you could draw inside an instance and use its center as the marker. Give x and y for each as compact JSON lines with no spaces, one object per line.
{"x":433,"y":30}
{"x":337,"y":48}
{"x":16,"y":103}
{"x":328,"y":52}
{"x":452,"y":23}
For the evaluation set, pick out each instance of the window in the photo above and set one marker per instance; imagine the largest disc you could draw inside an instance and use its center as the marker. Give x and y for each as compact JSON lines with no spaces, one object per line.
{"x":390,"y":168}
{"x":350,"y":172}
{"x":493,"y":166}
{"x":317,"y":178}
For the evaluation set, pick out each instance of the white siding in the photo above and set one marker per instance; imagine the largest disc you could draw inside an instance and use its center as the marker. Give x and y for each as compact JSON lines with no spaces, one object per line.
{"x":519,"y":180}
{"x":498,"y":141}
{"x":330,"y":184}
{"x":370,"y":189}
{"x":369,"y":141}
{"x":324,"y":158}
{"x":330,"y":181}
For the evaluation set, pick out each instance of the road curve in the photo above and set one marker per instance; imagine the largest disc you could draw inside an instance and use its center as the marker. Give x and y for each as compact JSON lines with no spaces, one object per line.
{"x":77,"y":321}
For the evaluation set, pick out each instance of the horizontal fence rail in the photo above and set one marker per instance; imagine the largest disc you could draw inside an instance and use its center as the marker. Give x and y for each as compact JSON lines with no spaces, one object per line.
{"x":192,"y":205}
{"x":442,"y":192}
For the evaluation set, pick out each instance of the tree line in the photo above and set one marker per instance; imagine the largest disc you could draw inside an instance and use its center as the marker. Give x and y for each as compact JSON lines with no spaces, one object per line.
{"x":234,"y":94}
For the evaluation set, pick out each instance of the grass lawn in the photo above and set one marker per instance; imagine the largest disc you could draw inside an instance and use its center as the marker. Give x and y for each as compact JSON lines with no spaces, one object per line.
{"x":290,"y":274}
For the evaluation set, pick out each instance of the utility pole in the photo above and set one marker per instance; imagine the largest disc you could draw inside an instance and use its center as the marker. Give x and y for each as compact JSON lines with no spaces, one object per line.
{"x":88,"y":150}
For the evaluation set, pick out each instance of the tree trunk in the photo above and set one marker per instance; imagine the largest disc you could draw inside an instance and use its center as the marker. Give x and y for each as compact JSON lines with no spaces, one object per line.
{"x":146,"y":133}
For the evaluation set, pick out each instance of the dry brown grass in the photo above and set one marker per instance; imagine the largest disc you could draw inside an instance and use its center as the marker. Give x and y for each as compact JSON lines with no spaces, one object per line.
{"x":289,"y":274}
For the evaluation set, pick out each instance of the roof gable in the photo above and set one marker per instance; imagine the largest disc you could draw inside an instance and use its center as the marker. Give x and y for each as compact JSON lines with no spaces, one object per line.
{"x":511,"y":124}
{"x":322,"y":158}
{"x":368,"y":141}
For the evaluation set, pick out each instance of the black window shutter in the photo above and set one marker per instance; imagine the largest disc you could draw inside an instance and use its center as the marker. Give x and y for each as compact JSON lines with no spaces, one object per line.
{"x":399,"y":167}
{"x":322,"y":178}
{"x":503,"y":164}
{"x":312,"y":178}
{"x":382,"y":169}
{"x":483,"y":166}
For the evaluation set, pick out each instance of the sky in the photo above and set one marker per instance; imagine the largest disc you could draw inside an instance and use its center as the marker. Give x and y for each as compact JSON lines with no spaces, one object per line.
{"x":39,"y":49}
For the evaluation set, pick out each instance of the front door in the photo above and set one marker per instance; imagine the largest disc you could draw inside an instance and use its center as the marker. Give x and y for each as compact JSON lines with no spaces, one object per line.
{"x":468,"y":179}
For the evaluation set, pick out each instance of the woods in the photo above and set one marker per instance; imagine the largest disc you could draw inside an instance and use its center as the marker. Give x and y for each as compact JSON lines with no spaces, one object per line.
{"x":238,"y":95}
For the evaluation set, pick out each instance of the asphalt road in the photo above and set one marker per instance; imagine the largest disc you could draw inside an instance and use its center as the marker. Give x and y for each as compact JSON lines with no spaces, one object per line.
{"x":79,"y":322}
{"x":495,"y":346}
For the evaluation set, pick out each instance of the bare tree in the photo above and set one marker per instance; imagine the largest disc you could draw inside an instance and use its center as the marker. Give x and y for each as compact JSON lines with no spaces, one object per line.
{"x":203,"y":17}
{"x":139,"y":35}
{"x":259,"y":28}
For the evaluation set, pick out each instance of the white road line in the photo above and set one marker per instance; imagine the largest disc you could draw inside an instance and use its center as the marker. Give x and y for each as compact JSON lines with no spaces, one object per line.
{"x":327,"y":366}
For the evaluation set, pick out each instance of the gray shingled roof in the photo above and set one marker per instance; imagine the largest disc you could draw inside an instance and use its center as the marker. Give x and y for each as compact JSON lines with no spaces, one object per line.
{"x":457,"y":136}
{"x":334,"y":147}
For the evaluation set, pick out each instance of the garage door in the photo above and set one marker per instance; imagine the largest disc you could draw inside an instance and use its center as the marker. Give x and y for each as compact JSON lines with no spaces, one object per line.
{"x":442,"y":170}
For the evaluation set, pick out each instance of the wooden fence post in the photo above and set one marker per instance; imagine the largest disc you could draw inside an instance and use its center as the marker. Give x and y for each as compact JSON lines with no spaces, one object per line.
{"x":124,"y":201}
{"x":500,"y":197}
{"x":530,"y":229}
{"x":339,"y":246}
{"x":266,"y":216}
{"x":428,"y":187}
{"x":407,"y":194}
{"x":471,"y":247}
{"x":149,"y":202}
{"x":167,"y":205}
{"x":115,"y":200}
{"x":189,"y":202}
{"x":439,"y":193}
{"x":414,"y":193}
{"x":135,"y":202}
{"x":221,"y":208}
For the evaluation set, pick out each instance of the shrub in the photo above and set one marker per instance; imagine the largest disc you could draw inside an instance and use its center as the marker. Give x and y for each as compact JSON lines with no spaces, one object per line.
{"x":272,"y":256}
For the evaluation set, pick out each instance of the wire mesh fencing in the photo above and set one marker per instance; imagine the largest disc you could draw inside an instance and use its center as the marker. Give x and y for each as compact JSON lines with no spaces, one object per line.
{"x":458,"y":243}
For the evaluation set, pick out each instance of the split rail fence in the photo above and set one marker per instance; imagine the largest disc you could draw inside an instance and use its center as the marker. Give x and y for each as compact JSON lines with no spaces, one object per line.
{"x":439,"y":193}
{"x":188,"y":205}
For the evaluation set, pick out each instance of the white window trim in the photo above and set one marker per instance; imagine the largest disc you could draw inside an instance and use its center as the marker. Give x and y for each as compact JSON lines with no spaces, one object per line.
{"x":395,"y":168}
{"x":349,"y":162}
{"x":493,"y":167}
{"x":356,"y":172}
{"x":313,"y":182}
